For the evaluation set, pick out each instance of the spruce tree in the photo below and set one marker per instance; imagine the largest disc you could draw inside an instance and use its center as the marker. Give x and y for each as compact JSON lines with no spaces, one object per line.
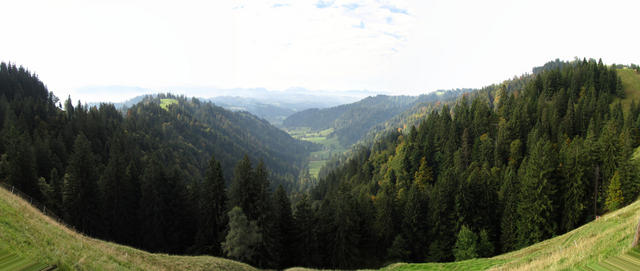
{"x":283,"y":230}
{"x":304,"y":235}
{"x":211,"y":215}
{"x":153,"y":208}
{"x":239,"y":195}
{"x":80,"y":192}
{"x":614,"y":199}
{"x":536,"y":209}
{"x":244,"y":238}
{"x":466,"y":246}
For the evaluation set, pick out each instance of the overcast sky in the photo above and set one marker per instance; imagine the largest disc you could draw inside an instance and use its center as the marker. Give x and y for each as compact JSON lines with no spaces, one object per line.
{"x":398,"y":47}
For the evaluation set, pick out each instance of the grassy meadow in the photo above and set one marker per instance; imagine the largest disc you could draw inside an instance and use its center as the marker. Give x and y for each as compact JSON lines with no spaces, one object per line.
{"x":630,"y":85}
{"x":27,"y":233}
{"x":330,"y":146}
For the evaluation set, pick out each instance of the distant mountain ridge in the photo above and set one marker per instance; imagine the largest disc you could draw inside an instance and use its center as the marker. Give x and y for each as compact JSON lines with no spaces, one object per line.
{"x":271,"y":105}
{"x":351,"y":122}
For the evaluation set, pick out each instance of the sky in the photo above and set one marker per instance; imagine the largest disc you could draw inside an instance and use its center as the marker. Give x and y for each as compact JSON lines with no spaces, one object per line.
{"x":394,"y":47}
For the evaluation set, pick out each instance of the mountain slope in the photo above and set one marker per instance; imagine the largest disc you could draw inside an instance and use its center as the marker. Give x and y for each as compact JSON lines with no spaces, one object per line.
{"x":610,"y":235}
{"x":507,"y":167}
{"x":28,"y":233}
{"x":350,"y":122}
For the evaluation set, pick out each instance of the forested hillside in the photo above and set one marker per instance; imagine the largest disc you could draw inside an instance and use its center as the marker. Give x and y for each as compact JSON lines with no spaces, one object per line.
{"x":499,"y":169}
{"x":351,"y":122}
{"x":503,"y":168}
{"x":133,"y":177}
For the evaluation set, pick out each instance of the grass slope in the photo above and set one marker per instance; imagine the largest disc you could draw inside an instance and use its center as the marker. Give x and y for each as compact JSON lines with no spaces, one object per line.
{"x":590,"y":245}
{"x":27,"y":233}
{"x":9,"y":262}
{"x":630,"y":85}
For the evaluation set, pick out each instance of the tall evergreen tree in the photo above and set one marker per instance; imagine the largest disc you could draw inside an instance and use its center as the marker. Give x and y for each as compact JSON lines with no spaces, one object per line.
{"x":244,"y":238}
{"x":120,"y":195}
{"x":239,"y":195}
{"x":305,"y":234}
{"x":211,"y":216}
{"x":152,"y":213}
{"x":466,"y":245}
{"x":80,"y":192}
{"x":283,"y":230}
{"x":536,"y":210}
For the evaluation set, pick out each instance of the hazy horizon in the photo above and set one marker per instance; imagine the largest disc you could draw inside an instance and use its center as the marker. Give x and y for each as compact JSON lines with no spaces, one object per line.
{"x":391,"y":47}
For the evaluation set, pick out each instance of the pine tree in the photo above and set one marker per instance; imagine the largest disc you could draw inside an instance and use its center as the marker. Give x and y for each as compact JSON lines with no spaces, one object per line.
{"x":283,"y":231}
{"x":153,"y":208}
{"x":466,"y":244}
{"x":244,"y":238}
{"x":509,"y":196}
{"x":575,"y":196}
{"x":399,"y":249}
{"x":80,"y":196}
{"x":614,"y":193}
{"x":243,"y":176}
{"x":19,"y":167}
{"x":120,"y":195}
{"x":485,"y":247}
{"x":346,"y":237}
{"x":212,"y":217}
{"x":415,"y":223}
{"x":424,"y":175}
{"x":305,"y":245}
{"x":536,"y":210}
{"x":386,"y":217}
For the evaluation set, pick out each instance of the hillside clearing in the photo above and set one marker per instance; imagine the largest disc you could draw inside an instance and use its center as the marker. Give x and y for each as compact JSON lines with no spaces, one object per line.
{"x":630,"y":85}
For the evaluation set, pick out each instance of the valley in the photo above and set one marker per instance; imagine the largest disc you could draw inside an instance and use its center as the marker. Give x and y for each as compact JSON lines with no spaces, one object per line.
{"x":542,"y":169}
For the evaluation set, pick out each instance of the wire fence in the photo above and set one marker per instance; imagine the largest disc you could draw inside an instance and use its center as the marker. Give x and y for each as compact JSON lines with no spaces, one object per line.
{"x":36,"y":204}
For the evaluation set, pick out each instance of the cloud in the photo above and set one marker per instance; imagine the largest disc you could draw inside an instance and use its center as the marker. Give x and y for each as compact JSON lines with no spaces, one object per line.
{"x":324,"y":4}
{"x":394,"y":9}
{"x":361,"y":25}
{"x":278,"y":5}
{"x":351,"y":6}
{"x":393,"y":35}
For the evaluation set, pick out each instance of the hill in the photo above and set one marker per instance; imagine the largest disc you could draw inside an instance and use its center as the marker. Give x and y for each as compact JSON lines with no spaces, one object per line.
{"x":502,"y":168}
{"x":135,"y":177}
{"x":585,"y":247}
{"x":351,"y":122}
{"x":26,"y":232}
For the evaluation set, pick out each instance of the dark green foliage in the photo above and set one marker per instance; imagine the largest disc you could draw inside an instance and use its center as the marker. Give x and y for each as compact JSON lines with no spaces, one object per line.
{"x":242,"y":180}
{"x":614,"y":193}
{"x":305,"y":245}
{"x":282,"y":250}
{"x":399,"y":249}
{"x":485,"y":247}
{"x":415,"y":224}
{"x":466,"y":245}
{"x":243,"y":240}
{"x":516,"y":163}
{"x":352,"y":122}
{"x":153,"y":208}
{"x":80,"y":190}
{"x":537,"y":210}
{"x":212,"y":211}
{"x":17,"y":166}
{"x":499,"y":168}
{"x":120,"y":194}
